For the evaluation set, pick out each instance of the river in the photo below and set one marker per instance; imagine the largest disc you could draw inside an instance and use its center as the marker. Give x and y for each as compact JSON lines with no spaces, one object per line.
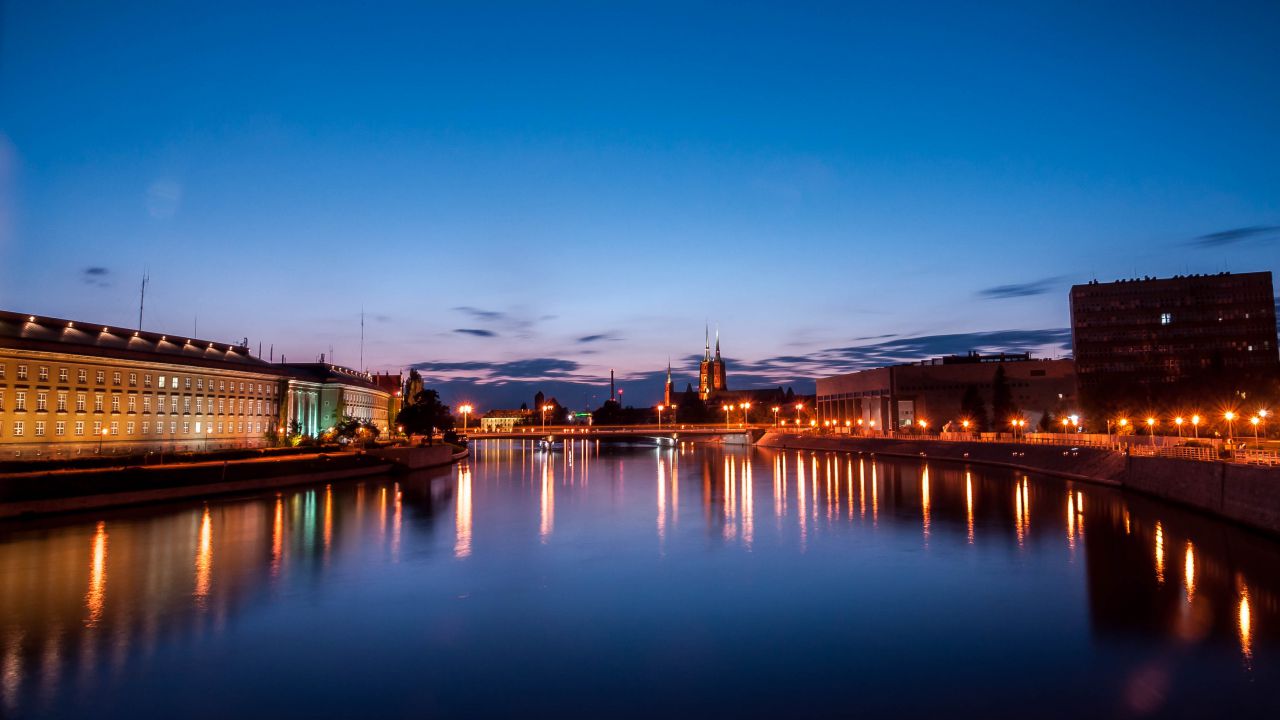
{"x":601,"y":581}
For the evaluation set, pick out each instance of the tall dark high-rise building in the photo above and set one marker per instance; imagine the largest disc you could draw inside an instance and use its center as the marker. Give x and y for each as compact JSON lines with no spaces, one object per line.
{"x":1134,"y":338}
{"x":711,"y":374}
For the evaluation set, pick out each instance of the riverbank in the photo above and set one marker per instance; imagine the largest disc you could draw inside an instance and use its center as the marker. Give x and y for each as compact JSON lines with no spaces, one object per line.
{"x":1244,"y":494}
{"x":68,"y":490}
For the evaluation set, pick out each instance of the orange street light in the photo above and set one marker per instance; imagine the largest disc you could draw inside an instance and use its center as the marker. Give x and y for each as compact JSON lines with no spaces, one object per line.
{"x":1178,"y":421}
{"x":1230,"y":418}
{"x":661,"y":407}
{"x":1195,"y":425}
{"x":965,"y":425}
{"x":726,"y":415}
{"x":775,"y":409}
{"x":466,"y":410}
{"x":1254,"y":422}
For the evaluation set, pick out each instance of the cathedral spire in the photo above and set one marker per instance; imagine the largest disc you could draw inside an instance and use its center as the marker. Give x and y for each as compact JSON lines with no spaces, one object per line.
{"x":717,"y":342}
{"x":706,"y":354}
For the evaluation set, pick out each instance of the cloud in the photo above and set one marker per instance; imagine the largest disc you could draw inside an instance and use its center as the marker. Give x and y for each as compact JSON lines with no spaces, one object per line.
{"x":478,"y":314}
{"x":481,"y":371}
{"x":1265,"y":233}
{"x":596,"y":338}
{"x":477,"y":332}
{"x":1017,"y":290}
{"x":514,"y":324}
{"x":163,"y":199}
{"x":96,"y":276}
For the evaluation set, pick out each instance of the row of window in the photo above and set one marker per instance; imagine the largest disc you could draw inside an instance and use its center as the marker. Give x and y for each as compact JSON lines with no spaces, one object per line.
{"x":19,"y":428}
{"x":223,"y":405}
{"x":117,"y":378}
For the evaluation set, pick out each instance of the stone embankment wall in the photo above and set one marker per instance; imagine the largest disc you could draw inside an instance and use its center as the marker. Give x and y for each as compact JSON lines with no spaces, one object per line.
{"x":418,"y":456}
{"x":1246,"y":494}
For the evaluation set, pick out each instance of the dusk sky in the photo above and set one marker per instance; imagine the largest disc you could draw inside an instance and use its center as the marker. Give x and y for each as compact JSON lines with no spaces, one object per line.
{"x":527,"y":196}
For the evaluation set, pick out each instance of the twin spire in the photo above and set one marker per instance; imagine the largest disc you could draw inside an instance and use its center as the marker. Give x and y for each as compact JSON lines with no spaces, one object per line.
{"x":706,"y":354}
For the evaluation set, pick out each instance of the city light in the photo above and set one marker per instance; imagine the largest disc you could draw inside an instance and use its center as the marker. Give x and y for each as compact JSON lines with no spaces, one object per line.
{"x":465,"y":410}
{"x":775,"y":409}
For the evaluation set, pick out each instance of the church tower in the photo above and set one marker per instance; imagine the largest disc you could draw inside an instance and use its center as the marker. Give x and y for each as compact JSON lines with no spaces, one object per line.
{"x":704,"y":369}
{"x":718,"y":380}
{"x":669,"y":391}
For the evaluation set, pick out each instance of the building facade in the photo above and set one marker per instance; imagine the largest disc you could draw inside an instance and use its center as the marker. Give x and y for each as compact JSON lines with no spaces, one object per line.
{"x":70,"y":388}
{"x":1134,"y":335}
{"x":901,"y":395}
{"x":503,"y":420}
{"x":711,"y":372}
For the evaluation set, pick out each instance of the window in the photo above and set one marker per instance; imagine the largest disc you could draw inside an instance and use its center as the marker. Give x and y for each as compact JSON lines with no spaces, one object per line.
{"x":186,"y":382}
{"x":222,"y":384}
{"x":115,"y":428}
{"x":199,"y":406}
{"x":146,"y":380}
{"x":186,"y":428}
{"x":115,"y":378}
{"x":20,"y":400}
{"x":39,"y":428}
{"x":43,"y":373}
{"x":133,"y":379}
{"x":198,"y":427}
{"x":219,"y":428}
{"x":133,"y":403}
{"x":173,"y":427}
{"x":62,"y":374}
{"x":128,"y":428}
{"x":17,"y":429}
{"x":100,"y":377}
{"x":1,"y":398}
{"x":79,"y":427}
{"x":82,"y":376}
{"x":22,"y":375}
{"x":115,"y":402}
{"x":146,"y":404}
{"x":42,"y":401}
{"x":97,"y":402}
{"x":186,"y":405}
{"x":220,"y":407}
{"x":60,"y":428}
{"x":1,"y":370}
{"x":199,"y":383}
{"x":1166,"y":318}
{"x":160,"y":381}
{"x":79,"y":402}
{"x":145,"y":426}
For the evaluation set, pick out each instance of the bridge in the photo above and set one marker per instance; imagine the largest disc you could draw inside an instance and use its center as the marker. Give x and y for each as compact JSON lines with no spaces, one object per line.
{"x":658,"y":434}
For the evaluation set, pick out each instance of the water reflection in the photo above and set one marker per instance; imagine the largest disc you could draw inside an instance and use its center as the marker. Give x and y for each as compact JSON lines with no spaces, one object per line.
{"x":87,"y":603}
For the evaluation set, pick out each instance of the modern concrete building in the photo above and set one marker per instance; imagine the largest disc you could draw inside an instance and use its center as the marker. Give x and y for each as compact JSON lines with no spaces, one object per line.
{"x":898,"y":396}
{"x":70,"y":388}
{"x":1134,"y":335}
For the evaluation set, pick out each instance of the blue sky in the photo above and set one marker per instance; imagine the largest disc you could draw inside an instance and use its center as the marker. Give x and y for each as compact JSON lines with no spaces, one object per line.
{"x":532,"y":194}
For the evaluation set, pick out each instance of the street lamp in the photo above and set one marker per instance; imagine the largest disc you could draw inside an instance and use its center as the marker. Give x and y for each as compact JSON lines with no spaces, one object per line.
{"x":1230,"y":418}
{"x":466,"y":410}
{"x":1262,"y":415}
{"x":1178,"y":421}
{"x":924,"y":424}
{"x":799,"y":407}
{"x":1254,"y":422}
{"x":102,"y":436}
{"x":775,"y":409}
{"x":1075,"y":422}
{"x":744,"y":407}
{"x":545,"y":408}
{"x":1151,"y":430}
{"x":1195,"y":425}
{"x":965,"y":424}
{"x":661,"y":407}
{"x":725,"y":407}
{"x":674,"y":407}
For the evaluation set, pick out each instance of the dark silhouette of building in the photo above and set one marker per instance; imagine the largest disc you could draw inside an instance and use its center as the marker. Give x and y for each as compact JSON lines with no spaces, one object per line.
{"x":1139,"y":339}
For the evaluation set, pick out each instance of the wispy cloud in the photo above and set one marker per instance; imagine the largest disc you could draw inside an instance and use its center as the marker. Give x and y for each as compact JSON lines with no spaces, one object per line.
{"x":596,"y":338}
{"x":96,"y":276}
{"x":515,"y":324}
{"x":476,"y":332}
{"x":1262,"y":233}
{"x":1017,"y":290}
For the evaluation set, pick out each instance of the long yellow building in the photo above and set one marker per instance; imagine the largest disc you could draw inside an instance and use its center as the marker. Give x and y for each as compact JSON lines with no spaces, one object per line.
{"x":69,"y":388}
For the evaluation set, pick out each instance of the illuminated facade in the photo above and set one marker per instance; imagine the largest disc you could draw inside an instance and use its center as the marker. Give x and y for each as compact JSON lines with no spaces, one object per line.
{"x":711,"y":372}
{"x":70,"y":388}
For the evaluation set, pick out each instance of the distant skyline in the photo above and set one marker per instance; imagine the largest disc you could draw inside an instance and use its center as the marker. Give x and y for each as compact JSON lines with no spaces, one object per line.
{"x":527,"y":196}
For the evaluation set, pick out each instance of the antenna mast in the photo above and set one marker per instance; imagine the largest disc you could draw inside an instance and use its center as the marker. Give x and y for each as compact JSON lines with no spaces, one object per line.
{"x":142,"y":297}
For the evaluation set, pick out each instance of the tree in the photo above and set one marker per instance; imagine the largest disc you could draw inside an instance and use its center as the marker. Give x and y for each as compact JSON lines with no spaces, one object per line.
{"x":1048,"y":422}
{"x":425,"y":415}
{"x":973,"y":409}
{"x":1003,"y":408}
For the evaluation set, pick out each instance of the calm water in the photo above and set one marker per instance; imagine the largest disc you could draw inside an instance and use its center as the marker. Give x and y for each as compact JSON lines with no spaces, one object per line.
{"x":601,"y":582}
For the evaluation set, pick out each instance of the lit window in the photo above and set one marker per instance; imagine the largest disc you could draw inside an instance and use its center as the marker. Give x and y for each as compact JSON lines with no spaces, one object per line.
{"x":79,"y":427}
{"x":17,"y":429}
{"x":62,"y":402}
{"x":79,"y":402}
{"x":1166,"y":318}
{"x":20,"y":400}
{"x":42,"y":401}
{"x":100,"y":376}
{"x":60,"y":428}
{"x":128,"y":428}
{"x":39,"y":428}
{"x":115,"y":378}
{"x":115,"y":428}
{"x":97,"y":402}
{"x":82,"y":376}
{"x":44,"y":373}
{"x":22,"y":375}
{"x":62,"y":374}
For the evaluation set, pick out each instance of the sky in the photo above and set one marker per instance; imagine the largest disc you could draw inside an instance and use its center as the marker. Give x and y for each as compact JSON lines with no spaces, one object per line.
{"x":524,"y":195}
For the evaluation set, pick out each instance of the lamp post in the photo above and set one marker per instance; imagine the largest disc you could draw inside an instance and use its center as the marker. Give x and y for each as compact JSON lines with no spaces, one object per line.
{"x":101,"y":436}
{"x":1151,"y":430}
{"x":466,"y":410}
{"x":965,"y":424}
{"x":674,"y":416}
{"x":1075,"y":422}
{"x":1195,"y":426}
{"x":1230,"y":418}
{"x":661,"y":407}
{"x":545,"y":408}
{"x":775,"y":409}
{"x":799,"y":407}
{"x":1178,"y":421}
{"x":725,"y":407}
{"x":746,"y":407}
{"x":1262,"y":415}
{"x":1254,"y":422}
